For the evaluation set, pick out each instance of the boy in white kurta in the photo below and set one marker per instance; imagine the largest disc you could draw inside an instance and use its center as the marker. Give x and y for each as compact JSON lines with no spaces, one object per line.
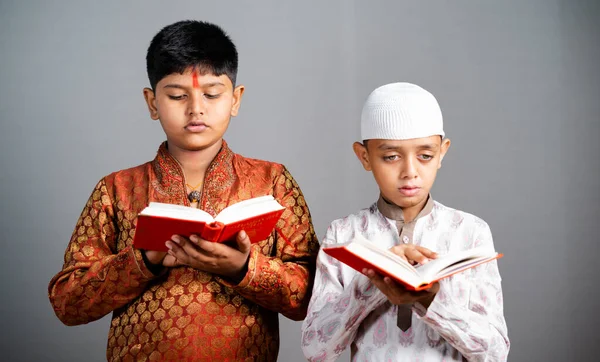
{"x":460,"y":317}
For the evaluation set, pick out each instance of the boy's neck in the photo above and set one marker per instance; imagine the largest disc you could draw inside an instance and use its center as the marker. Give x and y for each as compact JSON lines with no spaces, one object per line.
{"x":195,"y":163}
{"x":408,"y":213}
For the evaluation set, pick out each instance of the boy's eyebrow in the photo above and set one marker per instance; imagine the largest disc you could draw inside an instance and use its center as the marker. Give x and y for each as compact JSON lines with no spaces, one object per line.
{"x":212,"y":84}
{"x":427,"y":146}
{"x":206,"y":85}
{"x":386,"y":146}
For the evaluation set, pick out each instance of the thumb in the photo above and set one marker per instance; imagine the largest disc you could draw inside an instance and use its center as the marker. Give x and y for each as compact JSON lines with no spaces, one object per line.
{"x":243,"y":242}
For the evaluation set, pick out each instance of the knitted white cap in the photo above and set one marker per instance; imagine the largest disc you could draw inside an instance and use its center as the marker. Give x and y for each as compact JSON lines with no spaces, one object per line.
{"x":400,"y":111}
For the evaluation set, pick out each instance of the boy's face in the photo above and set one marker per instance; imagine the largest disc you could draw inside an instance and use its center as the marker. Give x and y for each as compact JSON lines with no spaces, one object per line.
{"x":194,"y":109}
{"x":404,"y":169}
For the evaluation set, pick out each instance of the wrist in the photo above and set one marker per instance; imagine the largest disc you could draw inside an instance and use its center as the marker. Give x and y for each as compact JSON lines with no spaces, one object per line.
{"x":155,"y":269}
{"x":427,"y":300}
{"x":237,"y":277}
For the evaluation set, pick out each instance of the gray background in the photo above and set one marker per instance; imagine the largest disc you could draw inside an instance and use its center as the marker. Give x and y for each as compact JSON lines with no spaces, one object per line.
{"x":517,"y":81}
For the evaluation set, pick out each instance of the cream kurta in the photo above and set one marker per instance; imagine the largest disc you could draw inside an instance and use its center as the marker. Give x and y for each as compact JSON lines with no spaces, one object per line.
{"x":465,"y":320}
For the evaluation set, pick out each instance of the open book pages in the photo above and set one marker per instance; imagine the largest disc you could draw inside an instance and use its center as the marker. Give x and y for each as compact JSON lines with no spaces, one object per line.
{"x":238,"y":211}
{"x":448,"y":264}
{"x":383,"y":258}
{"x":397,"y":267}
{"x":248,"y":208}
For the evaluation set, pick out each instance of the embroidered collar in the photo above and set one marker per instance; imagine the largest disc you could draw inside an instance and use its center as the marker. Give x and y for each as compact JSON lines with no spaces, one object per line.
{"x":170,"y":179}
{"x":394,"y":212}
{"x":167,"y":166}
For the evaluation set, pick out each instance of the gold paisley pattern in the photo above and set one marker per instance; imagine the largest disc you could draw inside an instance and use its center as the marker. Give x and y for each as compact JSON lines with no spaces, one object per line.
{"x":186,"y":314}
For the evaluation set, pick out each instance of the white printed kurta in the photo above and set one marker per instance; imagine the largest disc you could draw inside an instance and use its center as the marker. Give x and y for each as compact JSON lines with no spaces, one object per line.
{"x":465,"y":321}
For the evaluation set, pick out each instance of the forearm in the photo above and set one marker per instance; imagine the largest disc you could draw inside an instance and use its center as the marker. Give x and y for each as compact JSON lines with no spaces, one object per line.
{"x":88,"y":290}
{"x":334,"y":318}
{"x":282,"y":287}
{"x":470,"y":333}
{"x":475,"y":327}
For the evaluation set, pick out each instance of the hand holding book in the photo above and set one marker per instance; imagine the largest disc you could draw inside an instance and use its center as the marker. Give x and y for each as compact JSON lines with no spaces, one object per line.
{"x":158,"y":222}
{"x":396,"y":293}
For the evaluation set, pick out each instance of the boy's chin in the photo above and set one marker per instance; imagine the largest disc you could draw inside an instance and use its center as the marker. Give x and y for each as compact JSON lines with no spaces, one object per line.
{"x":405,"y":202}
{"x":197,"y":145}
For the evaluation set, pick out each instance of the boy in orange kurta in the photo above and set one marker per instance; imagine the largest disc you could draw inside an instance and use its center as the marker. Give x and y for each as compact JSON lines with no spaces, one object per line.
{"x":201,"y":300}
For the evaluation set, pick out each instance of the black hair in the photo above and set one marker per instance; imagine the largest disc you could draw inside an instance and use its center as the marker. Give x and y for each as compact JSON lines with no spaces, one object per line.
{"x":189,"y":43}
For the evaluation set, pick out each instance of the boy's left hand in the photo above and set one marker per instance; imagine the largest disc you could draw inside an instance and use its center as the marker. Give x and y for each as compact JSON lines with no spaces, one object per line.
{"x":397,"y":294}
{"x":217,"y":258}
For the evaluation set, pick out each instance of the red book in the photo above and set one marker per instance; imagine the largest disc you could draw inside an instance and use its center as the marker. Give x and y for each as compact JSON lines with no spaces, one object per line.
{"x":361,"y":254}
{"x":158,"y":222}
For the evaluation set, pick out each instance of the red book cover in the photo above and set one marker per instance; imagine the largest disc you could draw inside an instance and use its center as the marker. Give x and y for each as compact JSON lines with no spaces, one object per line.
{"x":153,"y":231}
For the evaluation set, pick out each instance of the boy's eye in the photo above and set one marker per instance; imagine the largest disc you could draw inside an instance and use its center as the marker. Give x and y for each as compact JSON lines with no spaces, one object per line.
{"x":426,"y":157}
{"x":176,"y":98}
{"x":391,"y":158}
{"x":212,"y":96}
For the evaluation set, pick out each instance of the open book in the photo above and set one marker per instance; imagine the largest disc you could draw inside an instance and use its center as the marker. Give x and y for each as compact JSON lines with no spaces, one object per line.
{"x":158,"y":222}
{"x":361,"y":253}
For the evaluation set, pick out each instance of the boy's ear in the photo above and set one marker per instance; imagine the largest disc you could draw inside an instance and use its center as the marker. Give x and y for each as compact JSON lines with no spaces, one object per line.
{"x":237,"y":99}
{"x":151,"y":102}
{"x":443,"y":149}
{"x":363,"y":155}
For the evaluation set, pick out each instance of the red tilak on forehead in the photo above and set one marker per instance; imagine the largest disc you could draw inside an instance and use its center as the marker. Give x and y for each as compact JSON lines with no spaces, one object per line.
{"x":195,"y":83}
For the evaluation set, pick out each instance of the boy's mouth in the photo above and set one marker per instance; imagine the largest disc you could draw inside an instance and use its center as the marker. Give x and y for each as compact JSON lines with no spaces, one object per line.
{"x":409,"y":190}
{"x":196,"y":126}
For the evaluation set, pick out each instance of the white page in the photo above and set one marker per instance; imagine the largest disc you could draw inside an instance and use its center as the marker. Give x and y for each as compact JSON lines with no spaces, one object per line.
{"x":389,"y":261}
{"x":248,"y":208}
{"x":176,"y":211}
{"x":435,"y":268}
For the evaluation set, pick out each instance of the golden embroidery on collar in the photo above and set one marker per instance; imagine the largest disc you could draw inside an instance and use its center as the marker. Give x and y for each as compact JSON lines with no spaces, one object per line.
{"x":170,"y":179}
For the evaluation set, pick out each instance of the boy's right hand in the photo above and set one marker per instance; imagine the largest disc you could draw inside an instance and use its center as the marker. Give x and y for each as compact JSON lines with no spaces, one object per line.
{"x":413,"y":253}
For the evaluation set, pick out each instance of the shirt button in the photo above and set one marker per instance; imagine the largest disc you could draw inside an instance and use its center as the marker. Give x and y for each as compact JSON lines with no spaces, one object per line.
{"x":405,"y":239}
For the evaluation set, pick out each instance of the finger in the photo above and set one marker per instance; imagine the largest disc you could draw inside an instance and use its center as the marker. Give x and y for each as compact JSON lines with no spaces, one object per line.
{"x":399,"y":250}
{"x":170,"y":261}
{"x":374,"y":277}
{"x":377,"y":280}
{"x":177,"y":252}
{"x":416,"y":255}
{"x":204,"y":246}
{"x":195,"y":239}
{"x":192,"y":247}
{"x":243,"y":242}
{"x":434,"y":288}
{"x":427,"y":252}
{"x":180,"y":240}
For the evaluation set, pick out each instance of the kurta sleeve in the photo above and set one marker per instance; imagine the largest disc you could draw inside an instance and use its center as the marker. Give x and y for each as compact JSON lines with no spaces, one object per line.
{"x":477,"y":328}
{"x":95,"y":278}
{"x":282,"y":281}
{"x":336,"y":311}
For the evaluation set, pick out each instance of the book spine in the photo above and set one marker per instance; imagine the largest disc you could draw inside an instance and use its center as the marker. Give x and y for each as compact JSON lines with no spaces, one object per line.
{"x":212,"y":231}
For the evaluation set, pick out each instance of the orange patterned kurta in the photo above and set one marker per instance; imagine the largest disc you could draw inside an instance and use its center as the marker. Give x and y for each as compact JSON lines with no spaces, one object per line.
{"x":185,"y":313}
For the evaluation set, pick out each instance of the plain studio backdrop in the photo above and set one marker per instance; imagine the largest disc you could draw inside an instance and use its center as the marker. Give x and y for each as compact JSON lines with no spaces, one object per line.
{"x":517,"y":81}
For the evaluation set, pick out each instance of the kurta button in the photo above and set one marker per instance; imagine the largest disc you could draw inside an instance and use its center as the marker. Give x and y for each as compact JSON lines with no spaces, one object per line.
{"x":405,"y":239}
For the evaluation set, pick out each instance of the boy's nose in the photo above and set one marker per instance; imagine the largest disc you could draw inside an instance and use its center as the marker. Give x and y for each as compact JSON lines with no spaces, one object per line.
{"x":196,"y":105}
{"x":409,"y":169}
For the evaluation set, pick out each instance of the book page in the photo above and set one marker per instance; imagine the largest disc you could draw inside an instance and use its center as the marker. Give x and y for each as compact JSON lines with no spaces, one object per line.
{"x":176,"y":212}
{"x":452,"y":262}
{"x":463,"y":265}
{"x":385,"y":259}
{"x":248,"y":208}
{"x":387,"y":262}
